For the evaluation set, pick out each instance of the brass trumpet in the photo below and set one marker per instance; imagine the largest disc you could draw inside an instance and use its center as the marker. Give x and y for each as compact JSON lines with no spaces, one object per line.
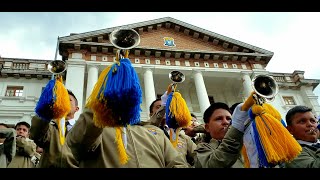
{"x":176,"y":77}
{"x":265,"y":88}
{"x":124,"y":39}
{"x":57,"y":66}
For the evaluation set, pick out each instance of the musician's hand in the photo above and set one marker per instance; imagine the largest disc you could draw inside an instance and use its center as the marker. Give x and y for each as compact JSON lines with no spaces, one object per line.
{"x":169,"y":89}
{"x":239,"y":117}
{"x":189,"y":131}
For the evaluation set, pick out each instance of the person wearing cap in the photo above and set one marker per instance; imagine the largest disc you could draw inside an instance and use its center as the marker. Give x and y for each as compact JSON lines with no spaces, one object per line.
{"x":26,"y":155}
{"x":303,"y":125}
{"x":46,"y":136}
{"x":223,"y":150}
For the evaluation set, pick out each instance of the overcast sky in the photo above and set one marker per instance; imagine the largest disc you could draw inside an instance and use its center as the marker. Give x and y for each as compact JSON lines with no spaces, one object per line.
{"x":292,"y":36}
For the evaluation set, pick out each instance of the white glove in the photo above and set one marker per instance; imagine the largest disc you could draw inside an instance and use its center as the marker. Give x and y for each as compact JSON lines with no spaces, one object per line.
{"x":164,"y":99}
{"x":239,"y":117}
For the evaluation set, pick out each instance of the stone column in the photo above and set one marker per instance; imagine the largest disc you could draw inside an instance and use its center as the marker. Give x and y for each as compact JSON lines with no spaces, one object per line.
{"x":93,"y":71}
{"x":201,"y":91}
{"x":185,"y":92}
{"x":247,"y":87}
{"x":75,"y":81}
{"x":149,"y":90}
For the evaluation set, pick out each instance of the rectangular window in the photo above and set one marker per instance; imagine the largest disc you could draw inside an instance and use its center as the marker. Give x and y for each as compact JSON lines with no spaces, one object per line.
{"x":14,"y":91}
{"x":289,"y":100}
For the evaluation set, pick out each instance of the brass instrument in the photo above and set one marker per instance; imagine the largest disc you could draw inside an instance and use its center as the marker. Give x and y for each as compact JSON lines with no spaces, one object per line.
{"x":124,"y":39}
{"x":57,"y":66}
{"x":176,"y":77}
{"x":265,"y":88}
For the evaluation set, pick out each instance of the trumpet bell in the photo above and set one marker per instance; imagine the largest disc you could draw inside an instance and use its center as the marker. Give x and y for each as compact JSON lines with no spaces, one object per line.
{"x":177,"y":76}
{"x":57,"y":66}
{"x":124,"y":38}
{"x":265,"y":86}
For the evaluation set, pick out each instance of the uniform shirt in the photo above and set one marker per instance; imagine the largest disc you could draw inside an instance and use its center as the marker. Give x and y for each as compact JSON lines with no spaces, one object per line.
{"x":70,"y":124}
{"x":308,"y":158}
{"x":147,"y":146}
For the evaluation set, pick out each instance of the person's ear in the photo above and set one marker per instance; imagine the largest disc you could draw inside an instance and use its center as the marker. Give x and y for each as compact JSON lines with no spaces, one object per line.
{"x":77,"y":108}
{"x":206,"y":126}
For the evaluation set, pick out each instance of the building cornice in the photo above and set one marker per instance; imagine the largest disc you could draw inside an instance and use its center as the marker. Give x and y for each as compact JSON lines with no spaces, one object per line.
{"x":98,"y":42}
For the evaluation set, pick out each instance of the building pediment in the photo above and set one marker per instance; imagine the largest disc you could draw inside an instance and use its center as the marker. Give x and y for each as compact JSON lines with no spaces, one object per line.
{"x":184,"y":40}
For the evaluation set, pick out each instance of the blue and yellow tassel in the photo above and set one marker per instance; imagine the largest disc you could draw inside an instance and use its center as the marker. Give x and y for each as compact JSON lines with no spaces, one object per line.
{"x":177,"y":115}
{"x":54,"y":104}
{"x":273,"y":141}
{"x":116,"y":101}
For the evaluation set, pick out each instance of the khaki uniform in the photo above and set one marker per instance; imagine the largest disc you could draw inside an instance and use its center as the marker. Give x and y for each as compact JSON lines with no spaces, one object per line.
{"x":202,"y":135}
{"x":26,"y":149}
{"x":147,"y":146}
{"x":308,"y":158}
{"x":46,"y":136}
{"x":185,"y":145}
{"x":221,"y":155}
{"x":8,"y":148}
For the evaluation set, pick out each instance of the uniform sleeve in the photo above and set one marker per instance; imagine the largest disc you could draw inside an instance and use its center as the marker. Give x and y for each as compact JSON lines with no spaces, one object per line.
{"x":25,"y":147}
{"x":191,"y":146}
{"x":157,"y":117}
{"x":40,"y":131}
{"x":84,"y":135}
{"x":199,"y":129}
{"x":224,"y":156}
{"x":9,"y":143}
{"x":305,"y":160}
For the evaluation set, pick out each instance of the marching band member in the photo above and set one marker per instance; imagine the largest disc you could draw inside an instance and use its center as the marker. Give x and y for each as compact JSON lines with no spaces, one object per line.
{"x":223,"y":150}
{"x":303,"y":125}
{"x":26,"y":155}
{"x":47,"y":135}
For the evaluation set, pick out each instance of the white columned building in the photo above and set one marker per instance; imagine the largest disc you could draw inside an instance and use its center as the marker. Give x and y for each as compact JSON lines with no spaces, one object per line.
{"x":217,"y":69}
{"x":201,"y":91}
{"x":75,"y":81}
{"x":93,"y":74}
{"x":247,"y":84}
{"x":150,"y":94}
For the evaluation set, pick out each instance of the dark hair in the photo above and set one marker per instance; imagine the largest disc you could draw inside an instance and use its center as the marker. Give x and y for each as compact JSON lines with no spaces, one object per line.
{"x":152,"y":104}
{"x":22,"y":123}
{"x":234,"y":106}
{"x":193,"y":115}
{"x":71,"y":93}
{"x":214,"y":106}
{"x":295,"y":110}
{"x":5,"y":125}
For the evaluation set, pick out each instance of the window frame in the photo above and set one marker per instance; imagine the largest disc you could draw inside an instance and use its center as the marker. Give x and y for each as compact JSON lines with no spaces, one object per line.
{"x":17,"y":91}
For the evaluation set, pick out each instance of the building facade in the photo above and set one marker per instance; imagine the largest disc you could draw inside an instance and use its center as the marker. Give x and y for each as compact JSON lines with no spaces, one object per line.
{"x":217,"y":69}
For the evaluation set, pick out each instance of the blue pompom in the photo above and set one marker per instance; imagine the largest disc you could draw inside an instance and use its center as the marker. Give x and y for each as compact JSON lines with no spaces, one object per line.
{"x":170,"y":121}
{"x":123,"y":92}
{"x":45,"y":104}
